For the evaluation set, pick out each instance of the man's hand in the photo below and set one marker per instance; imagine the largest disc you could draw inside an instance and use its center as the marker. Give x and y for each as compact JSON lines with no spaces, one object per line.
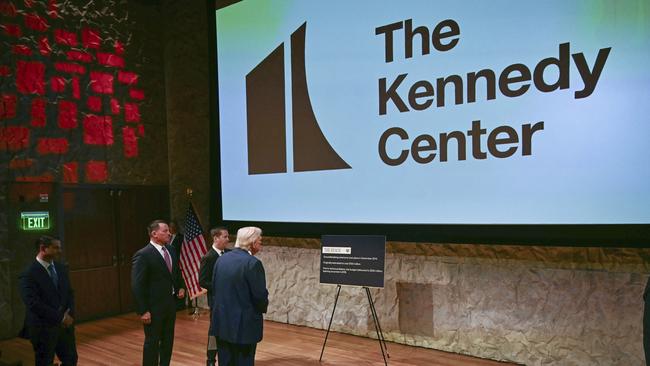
{"x":181,"y":293}
{"x":146,"y":318}
{"x":67,"y":319}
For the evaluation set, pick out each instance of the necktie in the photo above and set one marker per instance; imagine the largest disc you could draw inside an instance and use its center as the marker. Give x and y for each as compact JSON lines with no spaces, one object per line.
{"x":168,"y":259}
{"x":53,"y":275}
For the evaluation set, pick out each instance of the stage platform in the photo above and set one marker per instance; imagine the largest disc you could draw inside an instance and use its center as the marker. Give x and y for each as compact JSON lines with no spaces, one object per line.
{"x":118,"y":341}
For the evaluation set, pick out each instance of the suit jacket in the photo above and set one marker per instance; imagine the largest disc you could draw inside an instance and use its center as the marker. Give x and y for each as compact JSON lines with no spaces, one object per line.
{"x":45,"y":303}
{"x":206,"y":269}
{"x":239,"y":284}
{"x":151,"y":281}
{"x":177,"y":243}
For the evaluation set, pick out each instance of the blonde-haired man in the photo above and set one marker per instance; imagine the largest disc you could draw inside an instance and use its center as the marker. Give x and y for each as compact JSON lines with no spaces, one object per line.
{"x":240,"y":299}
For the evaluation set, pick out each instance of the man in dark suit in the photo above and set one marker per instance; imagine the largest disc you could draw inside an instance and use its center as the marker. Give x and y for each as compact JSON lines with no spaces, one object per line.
{"x":177,"y":238}
{"x":240,"y":299}
{"x":156,"y":283}
{"x":176,"y":242}
{"x":46,"y":291}
{"x":220,"y":240}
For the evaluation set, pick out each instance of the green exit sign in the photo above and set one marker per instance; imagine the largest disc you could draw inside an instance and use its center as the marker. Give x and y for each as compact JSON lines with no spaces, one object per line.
{"x":35,"y":220}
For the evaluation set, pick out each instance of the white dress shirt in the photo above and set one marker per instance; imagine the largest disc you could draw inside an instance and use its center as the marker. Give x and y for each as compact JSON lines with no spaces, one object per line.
{"x":160,"y":250}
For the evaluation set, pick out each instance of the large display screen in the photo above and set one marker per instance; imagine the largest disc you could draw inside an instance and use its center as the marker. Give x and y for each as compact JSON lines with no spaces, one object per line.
{"x":431,"y":112}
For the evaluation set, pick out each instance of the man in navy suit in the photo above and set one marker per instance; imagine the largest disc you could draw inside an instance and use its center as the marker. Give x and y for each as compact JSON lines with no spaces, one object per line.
{"x":220,"y":240}
{"x":240,"y":299}
{"x":46,"y":291}
{"x":176,"y":242}
{"x":156,"y":283}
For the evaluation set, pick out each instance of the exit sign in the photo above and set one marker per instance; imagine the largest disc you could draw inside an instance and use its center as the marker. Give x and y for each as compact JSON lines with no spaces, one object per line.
{"x":35,"y":220}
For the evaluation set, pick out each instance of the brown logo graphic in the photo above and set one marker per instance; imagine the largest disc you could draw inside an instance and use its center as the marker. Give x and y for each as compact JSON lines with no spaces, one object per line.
{"x":266,"y":122}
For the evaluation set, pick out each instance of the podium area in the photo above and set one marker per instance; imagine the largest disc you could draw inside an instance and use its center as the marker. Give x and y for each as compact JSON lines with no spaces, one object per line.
{"x":118,"y":341}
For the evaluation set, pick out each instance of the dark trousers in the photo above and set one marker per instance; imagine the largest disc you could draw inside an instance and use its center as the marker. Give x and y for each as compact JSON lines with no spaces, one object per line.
{"x":232,"y":354}
{"x":211,"y":349}
{"x":159,"y":336}
{"x":48,"y":341}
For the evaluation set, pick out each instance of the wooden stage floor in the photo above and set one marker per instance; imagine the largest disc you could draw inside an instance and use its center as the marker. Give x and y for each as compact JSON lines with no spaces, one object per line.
{"x":118,"y":341}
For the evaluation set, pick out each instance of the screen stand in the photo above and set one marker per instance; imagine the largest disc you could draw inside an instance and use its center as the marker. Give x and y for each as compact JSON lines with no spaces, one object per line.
{"x":375,"y":319}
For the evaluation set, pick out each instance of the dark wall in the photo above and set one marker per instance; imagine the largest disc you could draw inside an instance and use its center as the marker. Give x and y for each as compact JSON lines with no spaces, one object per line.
{"x":6,"y":312}
{"x":187,"y":81}
{"x":82,"y":102}
{"x":83,"y":93}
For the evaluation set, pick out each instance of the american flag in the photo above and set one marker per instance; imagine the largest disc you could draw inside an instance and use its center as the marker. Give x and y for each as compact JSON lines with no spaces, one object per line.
{"x":191,"y":252}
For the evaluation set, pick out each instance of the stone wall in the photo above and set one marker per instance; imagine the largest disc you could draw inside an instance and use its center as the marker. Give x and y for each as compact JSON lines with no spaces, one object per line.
{"x":530,"y":305}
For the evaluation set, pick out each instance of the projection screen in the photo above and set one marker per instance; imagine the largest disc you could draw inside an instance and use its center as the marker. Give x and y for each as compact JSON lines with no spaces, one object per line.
{"x":434,"y":113}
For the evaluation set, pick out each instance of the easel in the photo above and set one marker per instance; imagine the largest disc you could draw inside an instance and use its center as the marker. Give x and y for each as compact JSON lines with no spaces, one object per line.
{"x":375,"y":318}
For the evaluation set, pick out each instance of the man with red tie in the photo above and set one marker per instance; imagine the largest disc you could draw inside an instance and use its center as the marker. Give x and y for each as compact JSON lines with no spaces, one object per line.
{"x":156,"y":283}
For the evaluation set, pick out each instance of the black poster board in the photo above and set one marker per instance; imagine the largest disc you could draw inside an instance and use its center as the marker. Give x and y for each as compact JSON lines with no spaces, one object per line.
{"x":354,"y":260}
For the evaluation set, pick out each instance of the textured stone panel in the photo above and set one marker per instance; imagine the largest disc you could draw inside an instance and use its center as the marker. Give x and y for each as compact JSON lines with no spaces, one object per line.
{"x":415,"y":308}
{"x":502,"y":305}
{"x":296,"y":297}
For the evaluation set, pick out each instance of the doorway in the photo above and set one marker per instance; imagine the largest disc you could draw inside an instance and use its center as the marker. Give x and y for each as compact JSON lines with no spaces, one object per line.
{"x":103,"y":228}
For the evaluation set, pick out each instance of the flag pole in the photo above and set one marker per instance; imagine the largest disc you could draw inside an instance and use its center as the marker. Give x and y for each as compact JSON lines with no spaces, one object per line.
{"x":194,"y":306}
{"x":194,"y":248}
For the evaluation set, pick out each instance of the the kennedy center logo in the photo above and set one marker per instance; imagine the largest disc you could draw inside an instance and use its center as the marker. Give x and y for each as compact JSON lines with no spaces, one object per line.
{"x":266,"y":116}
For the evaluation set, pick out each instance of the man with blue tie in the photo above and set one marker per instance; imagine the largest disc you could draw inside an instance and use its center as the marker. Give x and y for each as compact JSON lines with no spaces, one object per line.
{"x":156,"y":283}
{"x":48,"y":296}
